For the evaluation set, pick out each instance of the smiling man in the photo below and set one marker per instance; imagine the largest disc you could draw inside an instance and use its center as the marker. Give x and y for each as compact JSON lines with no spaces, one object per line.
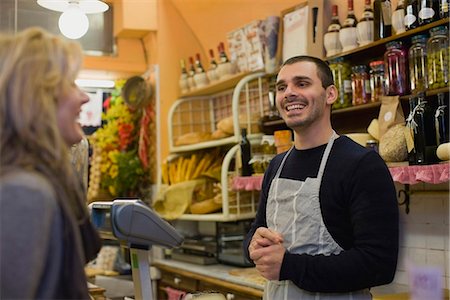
{"x":327,"y":221}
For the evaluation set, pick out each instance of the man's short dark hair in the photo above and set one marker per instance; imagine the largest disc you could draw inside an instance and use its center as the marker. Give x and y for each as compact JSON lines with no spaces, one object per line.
{"x":323,"y":70}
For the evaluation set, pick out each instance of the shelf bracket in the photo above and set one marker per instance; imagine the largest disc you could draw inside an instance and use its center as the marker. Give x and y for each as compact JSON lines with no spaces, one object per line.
{"x":406,"y":197}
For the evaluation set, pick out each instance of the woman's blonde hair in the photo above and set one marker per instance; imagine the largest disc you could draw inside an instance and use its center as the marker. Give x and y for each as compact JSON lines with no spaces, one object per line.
{"x":36,"y":69}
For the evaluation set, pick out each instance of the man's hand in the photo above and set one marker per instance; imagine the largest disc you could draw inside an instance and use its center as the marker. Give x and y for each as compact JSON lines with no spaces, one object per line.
{"x":267,"y":252}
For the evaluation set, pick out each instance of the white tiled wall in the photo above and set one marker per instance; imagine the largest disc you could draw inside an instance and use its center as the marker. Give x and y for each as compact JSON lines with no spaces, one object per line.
{"x":424,"y":232}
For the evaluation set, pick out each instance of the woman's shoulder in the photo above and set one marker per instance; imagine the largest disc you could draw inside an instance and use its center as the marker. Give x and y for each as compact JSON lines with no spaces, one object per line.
{"x":23,"y":183}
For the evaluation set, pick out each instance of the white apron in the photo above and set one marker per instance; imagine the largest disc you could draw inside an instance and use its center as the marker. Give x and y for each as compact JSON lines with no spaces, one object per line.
{"x":293,"y":209}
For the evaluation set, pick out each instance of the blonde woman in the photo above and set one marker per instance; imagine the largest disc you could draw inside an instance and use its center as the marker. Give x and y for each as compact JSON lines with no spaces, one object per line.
{"x":46,"y":236}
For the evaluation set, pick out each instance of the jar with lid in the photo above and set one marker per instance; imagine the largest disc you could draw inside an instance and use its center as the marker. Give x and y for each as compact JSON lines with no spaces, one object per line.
{"x":342,"y":79}
{"x":360,"y":85}
{"x":377,"y":86}
{"x":418,"y":63}
{"x":438,"y":57}
{"x":396,"y":69}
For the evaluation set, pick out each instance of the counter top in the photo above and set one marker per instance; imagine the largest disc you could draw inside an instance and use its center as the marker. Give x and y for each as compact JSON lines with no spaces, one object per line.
{"x":216,"y":271}
{"x":222,"y":272}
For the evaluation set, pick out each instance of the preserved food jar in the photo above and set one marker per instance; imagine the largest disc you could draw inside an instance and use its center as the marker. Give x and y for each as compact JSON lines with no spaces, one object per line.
{"x":438,"y":57}
{"x":342,"y":79}
{"x":360,"y":85}
{"x":396,"y":69}
{"x":377,"y":86}
{"x":418,"y":63}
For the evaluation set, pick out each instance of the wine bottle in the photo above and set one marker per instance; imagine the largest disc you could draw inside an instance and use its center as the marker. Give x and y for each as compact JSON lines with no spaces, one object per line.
{"x":350,"y":20}
{"x":444,"y":8}
{"x":224,"y":68}
{"x":382,"y":18}
{"x":183,"y":82}
{"x":425,"y":134}
{"x":365,"y":25}
{"x":335,"y":25}
{"x":223,"y":58}
{"x":200,"y":77}
{"x":411,"y":20}
{"x":191,"y":73}
{"x":398,"y":18}
{"x":428,"y":11}
{"x":441,"y":117}
{"x":212,"y":71}
{"x":245,"y":146}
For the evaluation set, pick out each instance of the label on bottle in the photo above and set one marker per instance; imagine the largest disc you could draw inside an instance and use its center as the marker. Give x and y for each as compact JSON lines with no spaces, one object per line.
{"x":367,"y":15}
{"x":444,"y":6}
{"x":426,"y":13}
{"x":347,"y":86}
{"x":410,"y":18}
{"x":349,"y":22}
{"x":334,"y":27}
{"x":386,"y":11}
{"x":398,"y":20}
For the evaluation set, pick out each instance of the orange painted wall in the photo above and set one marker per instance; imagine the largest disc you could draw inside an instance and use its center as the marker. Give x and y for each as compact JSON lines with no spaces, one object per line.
{"x":183,"y":28}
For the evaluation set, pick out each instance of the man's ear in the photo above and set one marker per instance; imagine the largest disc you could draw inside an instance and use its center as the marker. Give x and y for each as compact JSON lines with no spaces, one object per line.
{"x":331,"y":94}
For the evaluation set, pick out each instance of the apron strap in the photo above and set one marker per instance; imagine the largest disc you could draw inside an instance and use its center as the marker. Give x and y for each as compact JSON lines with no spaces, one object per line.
{"x":326,"y":154}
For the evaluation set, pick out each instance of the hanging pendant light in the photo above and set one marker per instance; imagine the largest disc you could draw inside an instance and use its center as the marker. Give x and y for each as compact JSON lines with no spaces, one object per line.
{"x":73,"y":22}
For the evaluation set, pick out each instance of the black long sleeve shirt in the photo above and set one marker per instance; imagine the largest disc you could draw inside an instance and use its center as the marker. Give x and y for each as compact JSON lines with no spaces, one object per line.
{"x":359,"y":208}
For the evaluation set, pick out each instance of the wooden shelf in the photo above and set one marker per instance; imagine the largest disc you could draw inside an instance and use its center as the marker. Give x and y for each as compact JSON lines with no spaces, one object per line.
{"x":382,"y":42}
{"x":216,"y":86}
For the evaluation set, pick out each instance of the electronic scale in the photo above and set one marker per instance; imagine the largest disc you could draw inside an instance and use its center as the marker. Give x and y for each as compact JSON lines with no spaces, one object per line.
{"x":133,"y":223}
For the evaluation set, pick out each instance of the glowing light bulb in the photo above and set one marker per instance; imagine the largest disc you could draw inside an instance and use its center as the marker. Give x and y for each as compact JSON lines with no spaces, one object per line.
{"x":73,"y":23}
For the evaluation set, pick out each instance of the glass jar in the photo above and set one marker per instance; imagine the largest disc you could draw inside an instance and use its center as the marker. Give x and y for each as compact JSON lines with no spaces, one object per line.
{"x":342,"y":80}
{"x":377,"y":86}
{"x":396,"y":69}
{"x":418,"y":63}
{"x":360,"y":85}
{"x":438,"y":57}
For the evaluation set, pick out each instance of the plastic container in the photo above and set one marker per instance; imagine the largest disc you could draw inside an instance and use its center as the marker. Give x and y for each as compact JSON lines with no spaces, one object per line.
{"x":418,"y":64}
{"x":377,"y":85}
{"x":438,"y":57}
{"x":396,"y":69}
{"x":360,"y":85}
{"x":343,"y":82}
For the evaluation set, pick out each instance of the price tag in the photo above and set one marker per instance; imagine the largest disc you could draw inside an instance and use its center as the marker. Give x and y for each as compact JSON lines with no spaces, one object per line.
{"x":426,"y":282}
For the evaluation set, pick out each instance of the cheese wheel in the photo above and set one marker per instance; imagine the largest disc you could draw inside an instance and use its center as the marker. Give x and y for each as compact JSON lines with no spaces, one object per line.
{"x":373,"y":129}
{"x":443,"y":151}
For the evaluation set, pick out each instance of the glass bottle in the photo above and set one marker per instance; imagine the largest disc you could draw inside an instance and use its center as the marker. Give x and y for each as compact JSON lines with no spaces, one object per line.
{"x":438,"y":57}
{"x":396,"y":69}
{"x":191,"y":73}
{"x":428,"y":11}
{"x":246,"y":169}
{"x":377,"y":86}
{"x":200,"y":77}
{"x":398,"y":18}
{"x":411,"y":18}
{"x":212,"y":71}
{"x":411,"y":125}
{"x":224,"y":68}
{"x":342,"y":79}
{"x":444,"y":8}
{"x":418,"y":64}
{"x":331,"y":37}
{"x":424,"y":133}
{"x":348,"y":32}
{"x":441,"y":121}
{"x":350,"y":20}
{"x":360,"y":85}
{"x":365,"y":25}
{"x":382,"y":19}
{"x":183,"y":82}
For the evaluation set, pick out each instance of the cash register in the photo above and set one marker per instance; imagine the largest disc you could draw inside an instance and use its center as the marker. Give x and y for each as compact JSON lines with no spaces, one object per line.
{"x":137,"y":226}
